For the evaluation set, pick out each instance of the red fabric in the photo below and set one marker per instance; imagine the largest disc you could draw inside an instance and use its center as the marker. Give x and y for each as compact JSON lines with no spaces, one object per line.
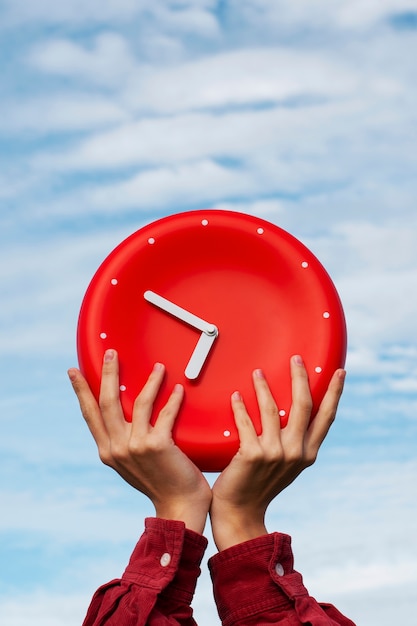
{"x":255,"y":584}
{"x":150,"y":593}
{"x":247,"y":588}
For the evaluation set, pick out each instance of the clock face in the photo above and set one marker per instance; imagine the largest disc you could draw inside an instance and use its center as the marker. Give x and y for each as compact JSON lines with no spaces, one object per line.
{"x":213,"y":295}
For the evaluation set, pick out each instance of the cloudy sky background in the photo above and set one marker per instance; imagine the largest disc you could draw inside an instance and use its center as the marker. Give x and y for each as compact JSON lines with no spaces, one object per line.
{"x":114,"y":113}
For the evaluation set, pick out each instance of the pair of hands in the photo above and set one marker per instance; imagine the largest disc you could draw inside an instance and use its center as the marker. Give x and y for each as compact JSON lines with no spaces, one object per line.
{"x":147,"y":457}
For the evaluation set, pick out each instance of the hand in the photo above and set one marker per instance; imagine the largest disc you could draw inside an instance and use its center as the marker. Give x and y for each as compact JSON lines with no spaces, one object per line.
{"x":266,"y":464}
{"x":145,"y":455}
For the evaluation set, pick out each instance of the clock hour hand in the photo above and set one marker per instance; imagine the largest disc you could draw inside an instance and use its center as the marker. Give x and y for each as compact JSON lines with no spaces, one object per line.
{"x":180,"y":313}
{"x":199,"y":356}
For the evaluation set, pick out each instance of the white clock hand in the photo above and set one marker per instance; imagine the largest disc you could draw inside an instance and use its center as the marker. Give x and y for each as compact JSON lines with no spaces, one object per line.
{"x":180,"y":313}
{"x":199,"y":355}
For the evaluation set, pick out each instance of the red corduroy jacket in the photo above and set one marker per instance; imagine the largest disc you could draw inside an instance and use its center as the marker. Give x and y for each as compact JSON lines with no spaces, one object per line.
{"x":254,"y":584}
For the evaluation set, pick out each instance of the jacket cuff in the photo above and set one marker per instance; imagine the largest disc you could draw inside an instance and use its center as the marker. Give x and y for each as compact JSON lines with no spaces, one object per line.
{"x":167,"y":556}
{"x":263,"y":568}
{"x":256,"y":580}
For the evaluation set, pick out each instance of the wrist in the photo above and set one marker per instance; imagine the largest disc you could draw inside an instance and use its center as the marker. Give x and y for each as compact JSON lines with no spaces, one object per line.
{"x":233,"y":525}
{"x":193,"y":514}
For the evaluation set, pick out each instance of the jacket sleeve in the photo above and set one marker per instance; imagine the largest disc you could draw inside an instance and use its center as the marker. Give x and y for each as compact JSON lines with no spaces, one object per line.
{"x":158,"y":585}
{"x":255,"y":583}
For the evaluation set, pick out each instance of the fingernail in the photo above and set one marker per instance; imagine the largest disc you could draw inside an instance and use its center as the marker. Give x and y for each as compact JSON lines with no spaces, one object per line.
{"x":72,"y":375}
{"x":259,"y":374}
{"x":341,"y":374}
{"x":236,"y":396}
{"x":298,"y":359}
{"x":178,"y":388}
{"x":109,"y":355}
{"x":158,"y":367}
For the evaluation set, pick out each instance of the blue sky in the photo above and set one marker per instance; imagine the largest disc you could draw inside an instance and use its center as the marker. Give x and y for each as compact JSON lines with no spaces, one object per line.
{"x":116,"y":113}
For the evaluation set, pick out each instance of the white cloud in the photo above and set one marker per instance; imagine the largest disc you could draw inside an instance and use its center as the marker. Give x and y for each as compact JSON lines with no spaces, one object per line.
{"x":269,"y":209}
{"x":290,"y":147}
{"x":349,"y":14}
{"x":44,"y":608}
{"x":323,"y":14}
{"x":107,"y":62}
{"x":160,"y":48}
{"x":380,"y":608}
{"x":406,"y":384}
{"x":201,"y":181}
{"x":43,"y":284}
{"x":246,"y":76}
{"x":193,"y":136}
{"x":357,"y":577}
{"x":357,"y":13}
{"x":381,"y":246}
{"x":380,"y":306}
{"x":47,"y":608}
{"x":186,"y":18}
{"x":61,"y":113}
{"x":68,"y":517}
{"x":76,"y":11}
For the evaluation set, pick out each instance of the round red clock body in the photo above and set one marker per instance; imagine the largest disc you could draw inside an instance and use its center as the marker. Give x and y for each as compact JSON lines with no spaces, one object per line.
{"x":267,"y":294}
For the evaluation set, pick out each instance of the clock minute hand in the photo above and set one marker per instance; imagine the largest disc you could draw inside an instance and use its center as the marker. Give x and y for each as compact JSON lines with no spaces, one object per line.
{"x":180,"y":313}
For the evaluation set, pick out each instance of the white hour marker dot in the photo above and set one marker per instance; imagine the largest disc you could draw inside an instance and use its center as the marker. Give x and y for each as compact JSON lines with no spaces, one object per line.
{"x":226,"y":433}
{"x":304,"y":264}
{"x":114,"y":281}
{"x":326,"y":315}
{"x":103,"y":335}
{"x":204,"y":222}
{"x":151,"y":240}
{"x":260,"y":231}
{"x":318,"y":369}
{"x":122,"y":387}
{"x":282,"y":412}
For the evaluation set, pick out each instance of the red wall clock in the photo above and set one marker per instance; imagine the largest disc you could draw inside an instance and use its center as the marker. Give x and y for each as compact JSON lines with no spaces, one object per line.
{"x":213,"y":295}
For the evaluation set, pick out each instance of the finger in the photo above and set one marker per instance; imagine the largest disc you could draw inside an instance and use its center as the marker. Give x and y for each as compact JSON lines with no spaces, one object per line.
{"x":326,"y":414}
{"x":167,"y":416}
{"x":302,"y":404}
{"x":143,"y":406}
{"x":109,"y":398}
{"x":270,"y":420}
{"x":244,"y":424}
{"x":89,"y":407}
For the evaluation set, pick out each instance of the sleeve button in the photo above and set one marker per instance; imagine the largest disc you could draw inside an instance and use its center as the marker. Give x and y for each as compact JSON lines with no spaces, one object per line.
{"x":165,"y":559}
{"x":279,"y":569}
